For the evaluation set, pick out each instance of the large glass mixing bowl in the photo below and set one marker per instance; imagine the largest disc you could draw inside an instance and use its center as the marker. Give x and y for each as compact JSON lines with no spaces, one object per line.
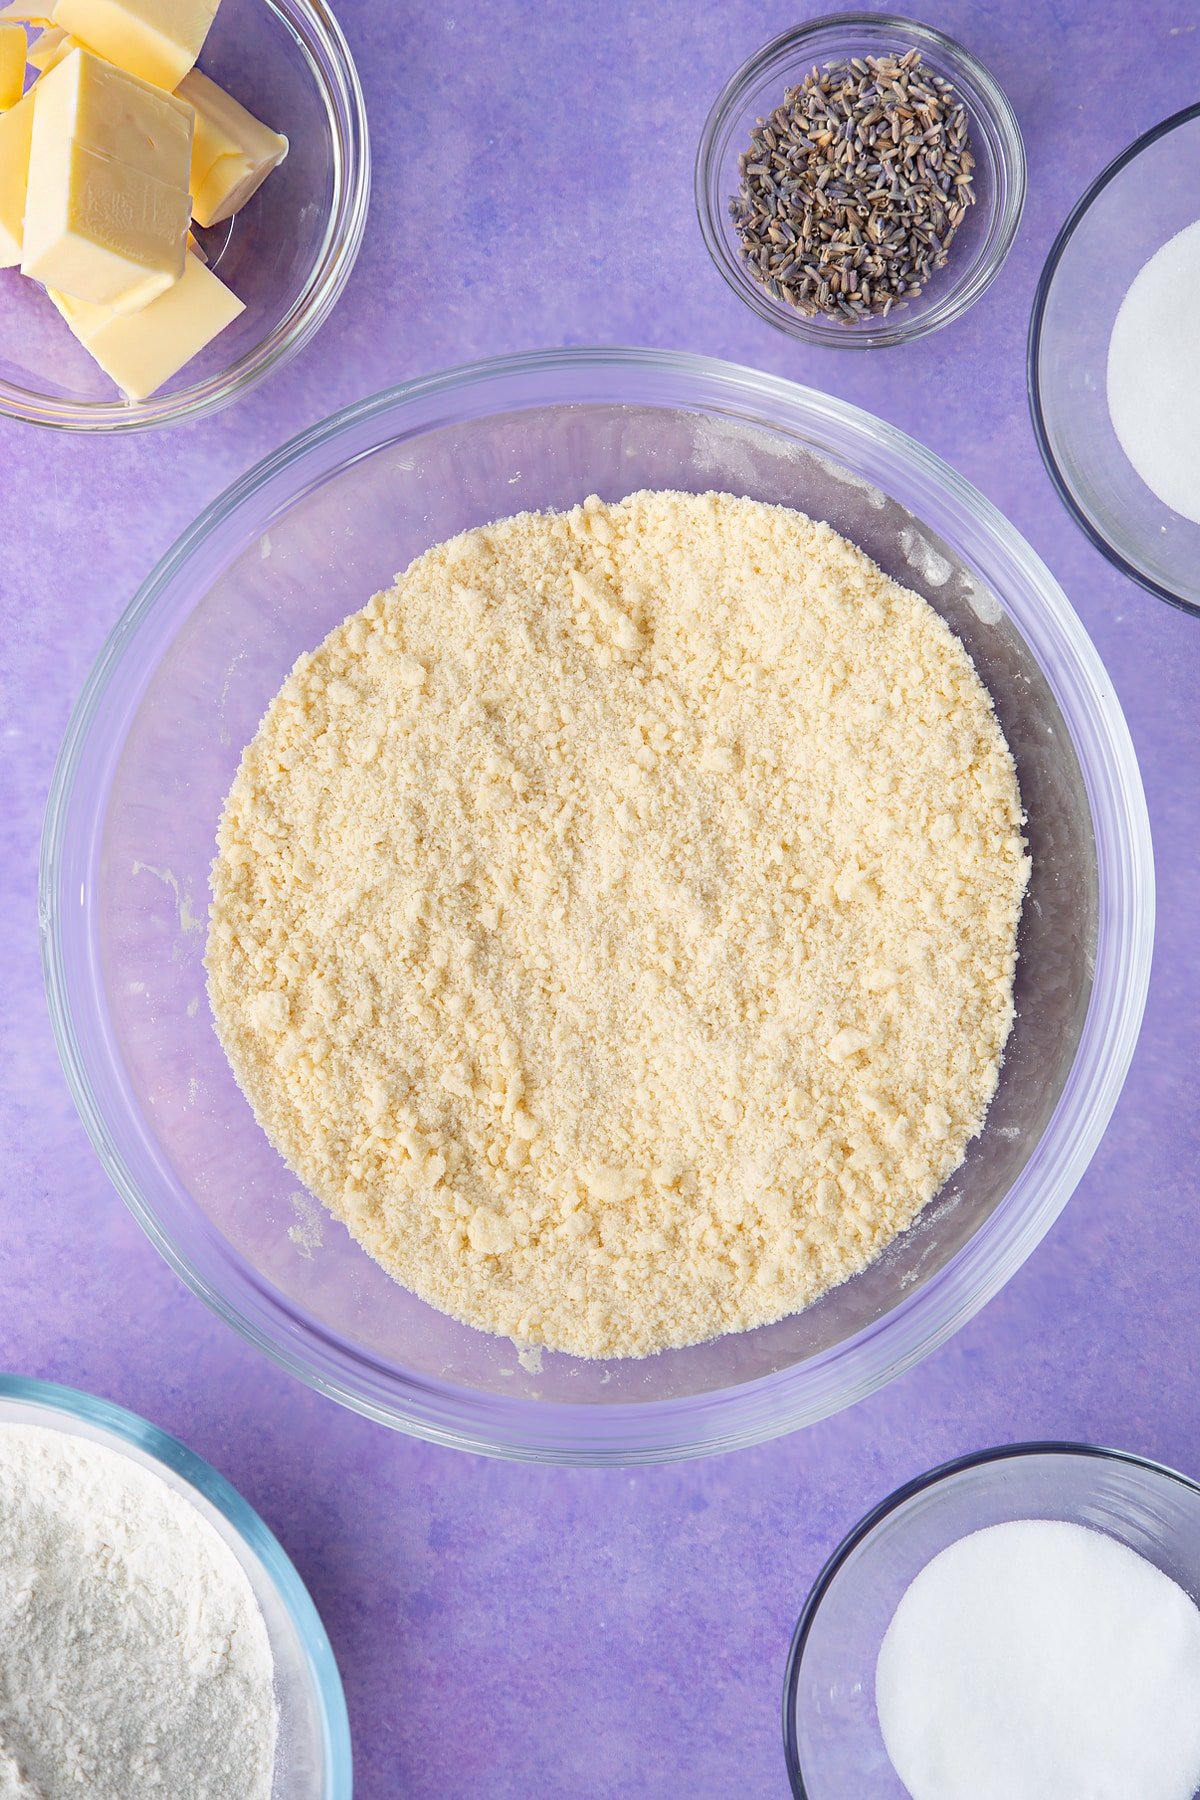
{"x":305,"y":539}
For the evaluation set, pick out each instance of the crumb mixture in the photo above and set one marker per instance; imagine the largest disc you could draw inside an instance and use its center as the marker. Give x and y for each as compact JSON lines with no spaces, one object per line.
{"x":614,"y":923}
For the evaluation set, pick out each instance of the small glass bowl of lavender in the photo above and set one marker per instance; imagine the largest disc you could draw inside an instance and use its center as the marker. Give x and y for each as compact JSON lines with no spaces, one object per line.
{"x":860,"y":180}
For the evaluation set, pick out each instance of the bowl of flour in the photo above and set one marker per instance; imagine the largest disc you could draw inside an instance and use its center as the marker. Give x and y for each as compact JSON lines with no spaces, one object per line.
{"x":154,"y":1637}
{"x":680,"y":917}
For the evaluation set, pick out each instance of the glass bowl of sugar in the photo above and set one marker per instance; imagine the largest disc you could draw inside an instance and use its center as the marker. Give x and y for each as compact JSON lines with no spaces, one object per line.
{"x":1114,"y":362}
{"x":1023,"y":1620}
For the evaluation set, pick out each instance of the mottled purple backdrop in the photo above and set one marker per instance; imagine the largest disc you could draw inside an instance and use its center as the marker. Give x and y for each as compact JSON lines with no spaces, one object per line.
{"x":532,"y":1632}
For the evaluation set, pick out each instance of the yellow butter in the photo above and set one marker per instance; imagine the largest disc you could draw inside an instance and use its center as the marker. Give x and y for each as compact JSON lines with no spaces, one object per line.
{"x":107,"y":209}
{"x":17,"y":14}
{"x":16,"y":130}
{"x":49,"y":48}
{"x":13,"y":45}
{"x":232,"y":152}
{"x":156,"y":39}
{"x":114,"y":231}
{"x":108,"y":110}
{"x":143,"y":352}
{"x":69,"y":308}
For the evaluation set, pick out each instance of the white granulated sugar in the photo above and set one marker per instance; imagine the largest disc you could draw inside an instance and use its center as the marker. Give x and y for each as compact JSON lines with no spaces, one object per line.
{"x":134,"y":1659}
{"x":615,"y":923}
{"x":1154,"y":374}
{"x":1041,"y":1660}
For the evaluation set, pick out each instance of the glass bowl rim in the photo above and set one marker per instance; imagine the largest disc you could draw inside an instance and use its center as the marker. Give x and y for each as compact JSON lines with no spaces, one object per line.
{"x":345,"y":108}
{"x":958,"y":297}
{"x":125,"y":1428}
{"x":629,"y":1432}
{"x":1033,"y":380}
{"x":898,"y":1498}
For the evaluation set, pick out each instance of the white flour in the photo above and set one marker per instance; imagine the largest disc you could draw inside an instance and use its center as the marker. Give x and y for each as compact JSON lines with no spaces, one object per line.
{"x":134,"y":1660}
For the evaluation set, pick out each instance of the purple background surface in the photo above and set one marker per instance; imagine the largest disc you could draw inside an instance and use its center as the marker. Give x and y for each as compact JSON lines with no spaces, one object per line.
{"x":504,"y":1630}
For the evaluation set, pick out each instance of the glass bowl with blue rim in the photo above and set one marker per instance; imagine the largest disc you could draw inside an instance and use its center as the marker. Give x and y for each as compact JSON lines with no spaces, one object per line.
{"x":312,"y":1758}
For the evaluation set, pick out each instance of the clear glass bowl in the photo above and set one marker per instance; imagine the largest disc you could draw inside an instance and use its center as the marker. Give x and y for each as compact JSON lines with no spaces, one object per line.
{"x":288,"y":254}
{"x":1140,"y":201}
{"x":305,"y":539}
{"x":986,"y":233}
{"x":831,"y":1733}
{"x":313,"y":1760}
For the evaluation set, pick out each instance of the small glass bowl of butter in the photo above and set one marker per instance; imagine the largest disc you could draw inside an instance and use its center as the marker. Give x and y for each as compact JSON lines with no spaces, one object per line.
{"x":273,"y":203}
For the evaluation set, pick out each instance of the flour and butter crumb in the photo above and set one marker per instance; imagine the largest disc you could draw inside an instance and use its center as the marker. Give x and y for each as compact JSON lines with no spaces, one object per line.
{"x":615,"y":922}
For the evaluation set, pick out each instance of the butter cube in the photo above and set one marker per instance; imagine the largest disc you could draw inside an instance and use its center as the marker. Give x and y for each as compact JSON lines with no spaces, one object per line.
{"x":110,"y":230}
{"x":16,"y":130}
{"x":140,"y":353}
{"x":69,"y":308}
{"x":107,"y":209}
{"x":12,"y":65}
{"x":156,"y":39}
{"x":114,"y":113}
{"x":49,"y":48}
{"x":17,"y":14}
{"x":232,"y":152}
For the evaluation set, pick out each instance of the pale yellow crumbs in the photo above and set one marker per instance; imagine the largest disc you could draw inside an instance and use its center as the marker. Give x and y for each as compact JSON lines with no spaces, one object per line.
{"x":614,"y":923}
